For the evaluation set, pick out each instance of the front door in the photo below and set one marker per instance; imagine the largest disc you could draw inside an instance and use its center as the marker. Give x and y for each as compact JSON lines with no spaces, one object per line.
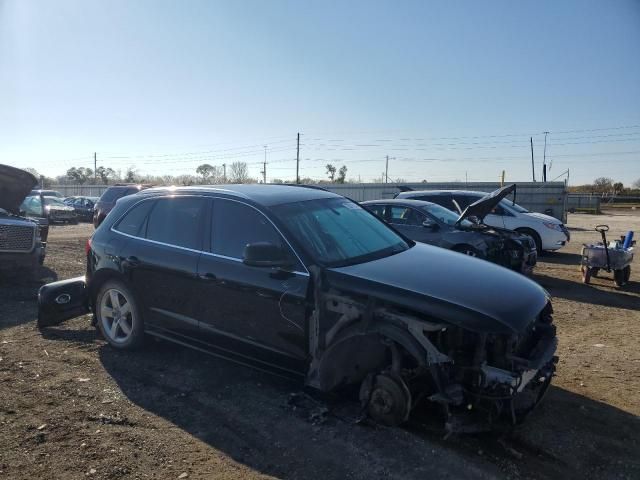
{"x":409,"y":222}
{"x":259,"y":308}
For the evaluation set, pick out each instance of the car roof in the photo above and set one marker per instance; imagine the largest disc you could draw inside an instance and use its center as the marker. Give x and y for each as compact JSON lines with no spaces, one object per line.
{"x":408,"y":202}
{"x":267,"y":195}
{"x":443,"y":192}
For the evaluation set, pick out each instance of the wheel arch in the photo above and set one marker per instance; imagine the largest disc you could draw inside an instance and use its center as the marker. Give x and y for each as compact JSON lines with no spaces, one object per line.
{"x":99,"y":278}
{"x":355,"y":352}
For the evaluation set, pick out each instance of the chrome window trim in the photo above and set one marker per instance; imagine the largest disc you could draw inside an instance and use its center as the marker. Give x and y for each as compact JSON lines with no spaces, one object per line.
{"x":203,"y":252}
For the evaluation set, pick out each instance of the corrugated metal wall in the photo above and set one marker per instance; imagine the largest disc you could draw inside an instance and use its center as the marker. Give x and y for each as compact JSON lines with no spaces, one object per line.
{"x":80,"y":190}
{"x":535,"y":196}
{"x":584,"y":200}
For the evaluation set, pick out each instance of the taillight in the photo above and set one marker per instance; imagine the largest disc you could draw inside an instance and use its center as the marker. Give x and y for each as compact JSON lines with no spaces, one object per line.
{"x":87,"y":246}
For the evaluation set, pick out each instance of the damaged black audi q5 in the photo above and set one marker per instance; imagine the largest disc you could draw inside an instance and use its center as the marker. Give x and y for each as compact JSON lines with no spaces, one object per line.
{"x":305,"y":282}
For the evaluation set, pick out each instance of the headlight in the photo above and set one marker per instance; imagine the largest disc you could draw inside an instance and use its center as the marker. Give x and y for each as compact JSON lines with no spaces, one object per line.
{"x":553,"y":226}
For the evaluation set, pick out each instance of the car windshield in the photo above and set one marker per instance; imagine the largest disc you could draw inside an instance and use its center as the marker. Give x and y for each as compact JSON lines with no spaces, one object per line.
{"x":445,"y":216}
{"x":338,"y":232}
{"x":513,"y":206}
{"x":53,"y":201}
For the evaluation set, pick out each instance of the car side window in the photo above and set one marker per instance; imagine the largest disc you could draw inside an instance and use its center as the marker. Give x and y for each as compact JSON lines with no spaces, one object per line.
{"x":378,"y":210}
{"x":177,"y":221}
{"x":235,"y":225}
{"x":132,"y":223}
{"x":406,"y":216}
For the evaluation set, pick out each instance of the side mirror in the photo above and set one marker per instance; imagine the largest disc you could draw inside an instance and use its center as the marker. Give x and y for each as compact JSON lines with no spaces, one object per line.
{"x":265,"y":254}
{"x":430,"y":224}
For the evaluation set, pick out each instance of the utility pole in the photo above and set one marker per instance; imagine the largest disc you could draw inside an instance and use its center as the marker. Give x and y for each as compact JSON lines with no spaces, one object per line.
{"x":544,"y":159}
{"x":298,"y":160}
{"x":224,"y":172}
{"x":533,"y":167}
{"x":264,"y":168}
{"x":386,"y":171}
{"x":95,"y":168}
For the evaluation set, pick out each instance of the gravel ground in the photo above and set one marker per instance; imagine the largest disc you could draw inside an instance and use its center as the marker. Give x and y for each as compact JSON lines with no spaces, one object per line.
{"x":71,"y":407}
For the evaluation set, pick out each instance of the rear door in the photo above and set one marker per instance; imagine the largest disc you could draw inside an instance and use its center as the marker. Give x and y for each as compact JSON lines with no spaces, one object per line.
{"x":161,"y":259}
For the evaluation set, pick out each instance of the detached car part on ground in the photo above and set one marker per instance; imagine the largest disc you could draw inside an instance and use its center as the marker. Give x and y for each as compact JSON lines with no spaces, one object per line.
{"x":305,"y":282}
{"x":548,"y":232}
{"x":22,"y":240}
{"x":433,"y":224}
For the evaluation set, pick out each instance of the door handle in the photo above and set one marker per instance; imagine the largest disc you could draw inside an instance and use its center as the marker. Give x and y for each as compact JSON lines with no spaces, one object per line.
{"x":208,"y":276}
{"x":132,"y":261}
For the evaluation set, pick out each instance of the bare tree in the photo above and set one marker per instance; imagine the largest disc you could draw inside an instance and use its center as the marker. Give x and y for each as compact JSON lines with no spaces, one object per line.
{"x":239,"y":173}
{"x":636,"y":184}
{"x":331,"y":171}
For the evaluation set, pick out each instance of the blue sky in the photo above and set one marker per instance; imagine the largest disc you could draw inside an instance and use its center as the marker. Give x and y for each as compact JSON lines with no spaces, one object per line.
{"x":447,"y":89}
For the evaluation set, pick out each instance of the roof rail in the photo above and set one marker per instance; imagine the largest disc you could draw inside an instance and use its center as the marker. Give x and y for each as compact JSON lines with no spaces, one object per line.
{"x":303,"y":185}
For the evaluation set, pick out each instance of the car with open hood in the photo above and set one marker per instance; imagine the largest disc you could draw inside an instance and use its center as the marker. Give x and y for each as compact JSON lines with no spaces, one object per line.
{"x":309,"y":284}
{"x":433,"y":224}
{"x":22,"y":239}
{"x":495,"y":210}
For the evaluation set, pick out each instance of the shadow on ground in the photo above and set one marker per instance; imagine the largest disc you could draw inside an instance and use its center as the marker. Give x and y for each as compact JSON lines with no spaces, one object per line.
{"x":601,"y":291}
{"x":18,"y":294}
{"x":247,"y":415}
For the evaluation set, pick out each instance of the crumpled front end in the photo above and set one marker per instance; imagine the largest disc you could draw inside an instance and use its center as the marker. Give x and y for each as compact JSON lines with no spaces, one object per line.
{"x":496,"y":378}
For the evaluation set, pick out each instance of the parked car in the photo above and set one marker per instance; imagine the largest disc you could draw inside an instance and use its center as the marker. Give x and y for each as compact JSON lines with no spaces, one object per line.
{"x":433,"y":224}
{"x":46,"y":193}
{"x":82,"y":206}
{"x":548,"y":232}
{"x":54,"y":209}
{"x":109,"y":198}
{"x":21,"y":243}
{"x":311,"y":284}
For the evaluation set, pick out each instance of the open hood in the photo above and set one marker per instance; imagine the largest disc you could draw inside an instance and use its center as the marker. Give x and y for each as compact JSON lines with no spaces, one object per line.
{"x":15,"y":185}
{"x":481,"y":208}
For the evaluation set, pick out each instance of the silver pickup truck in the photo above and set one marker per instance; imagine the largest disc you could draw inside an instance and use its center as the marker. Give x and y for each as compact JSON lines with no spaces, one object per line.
{"x":22,"y":239}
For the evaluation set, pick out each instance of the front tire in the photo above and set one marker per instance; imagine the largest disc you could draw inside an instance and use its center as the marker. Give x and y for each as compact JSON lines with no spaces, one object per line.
{"x":118,"y":316}
{"x":533,"y":234}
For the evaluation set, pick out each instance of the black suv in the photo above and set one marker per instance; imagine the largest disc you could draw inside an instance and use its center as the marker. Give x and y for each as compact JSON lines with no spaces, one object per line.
{"x":310,"y":284}
{"x":109,"y":198}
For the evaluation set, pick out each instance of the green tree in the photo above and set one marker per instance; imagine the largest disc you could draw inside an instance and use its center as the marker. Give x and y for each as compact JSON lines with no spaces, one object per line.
{"x":331,"y":171}
{"x":342,"y":174}
{"x":206,"y":171}
{"x":105,"y":174}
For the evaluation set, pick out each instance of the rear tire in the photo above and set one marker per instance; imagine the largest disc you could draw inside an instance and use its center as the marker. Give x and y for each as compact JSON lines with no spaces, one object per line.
{"x":118,"y":317}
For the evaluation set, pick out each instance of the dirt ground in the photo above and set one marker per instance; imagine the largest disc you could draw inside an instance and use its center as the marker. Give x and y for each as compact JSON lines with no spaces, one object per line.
{"x":71,"y":407}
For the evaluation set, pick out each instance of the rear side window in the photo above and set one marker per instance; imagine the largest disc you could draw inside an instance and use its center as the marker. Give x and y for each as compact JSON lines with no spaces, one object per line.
{"x":235,"y":225}
{"x":132,"y":223}
{"x":112,"y":194}
{"x":176,"y":221}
